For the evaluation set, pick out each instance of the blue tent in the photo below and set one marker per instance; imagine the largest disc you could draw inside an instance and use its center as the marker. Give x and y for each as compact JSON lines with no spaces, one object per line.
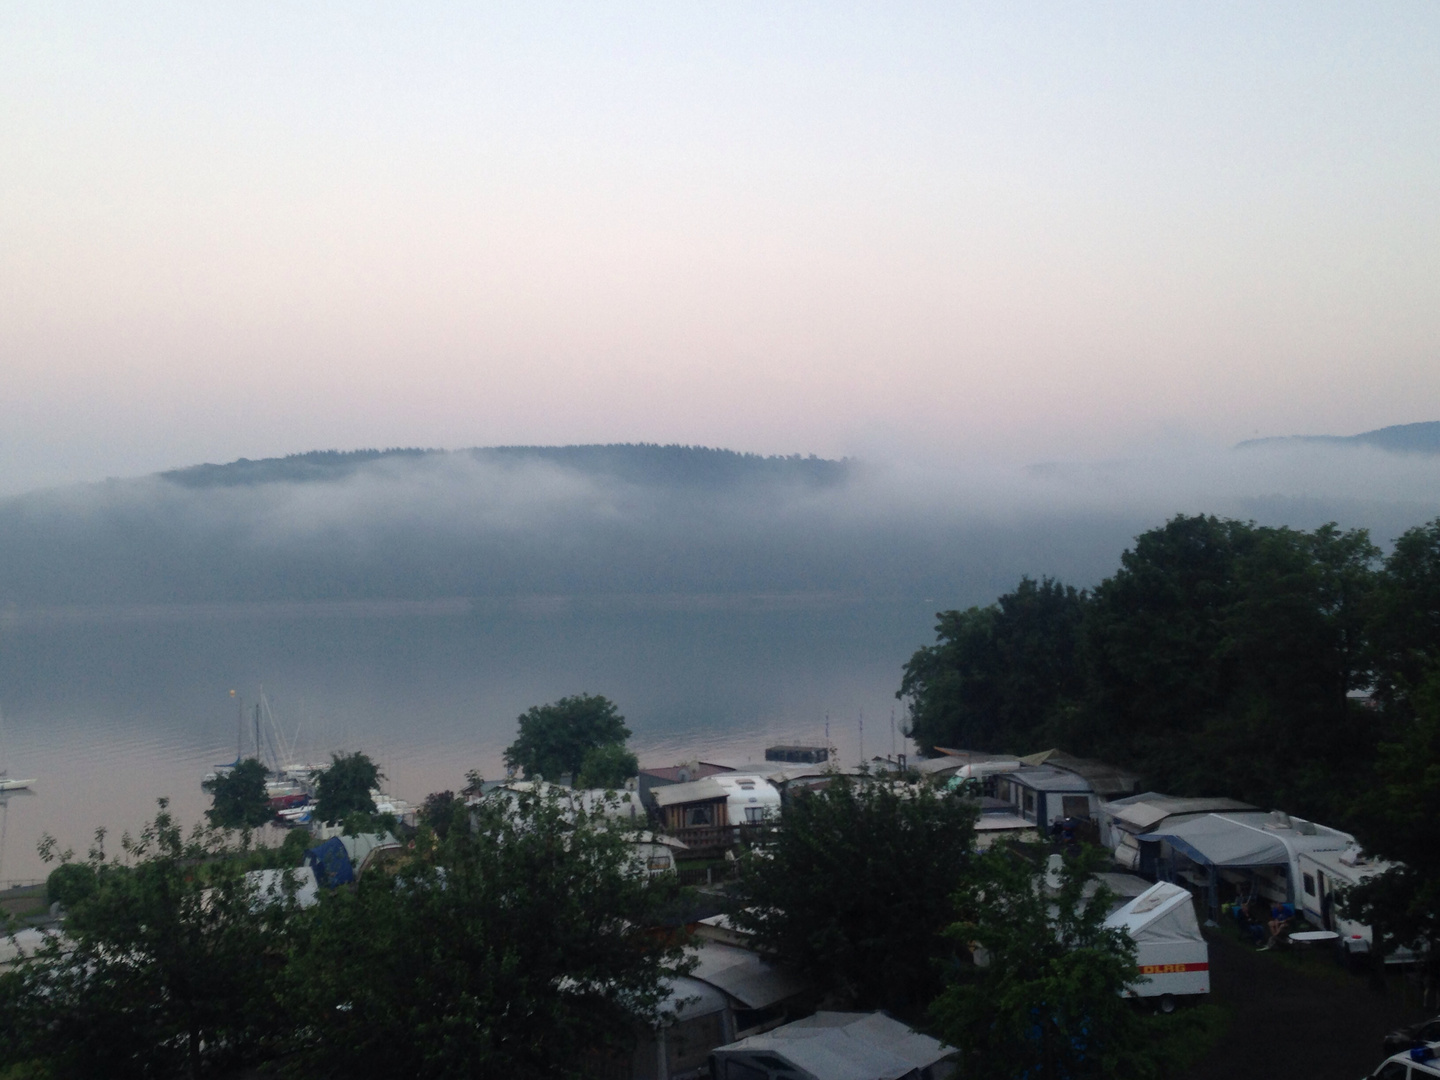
{"x":331,"y":863}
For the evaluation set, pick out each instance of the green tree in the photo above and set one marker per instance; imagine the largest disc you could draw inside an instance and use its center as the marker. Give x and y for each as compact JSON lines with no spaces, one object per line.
{"x":521,"y":946}
{"x":554,"y":739}
{"x":1041,"y":993}
{"x":239,"y":797}
{"x":1219,"y":641}
{"x":607,"y":766}
{"x":1000,"y":677}
{"x":1397,"y":809}
{"x":855,"y":889}
{"x":70,"y":883}
{"x":165,"y":967}
{"x":1405,"y":629}
{"x":344,"y":787}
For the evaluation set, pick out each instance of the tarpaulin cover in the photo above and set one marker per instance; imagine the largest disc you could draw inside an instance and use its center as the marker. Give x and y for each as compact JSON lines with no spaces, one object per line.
{"x":331,"y":863}
{"x":1225,"y":841}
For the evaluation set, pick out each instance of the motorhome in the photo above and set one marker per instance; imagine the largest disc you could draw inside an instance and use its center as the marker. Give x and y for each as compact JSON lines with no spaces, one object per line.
{"x":1326,"y":874}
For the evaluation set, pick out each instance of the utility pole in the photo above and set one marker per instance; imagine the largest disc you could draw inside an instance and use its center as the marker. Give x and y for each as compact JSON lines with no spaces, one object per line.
{"x":862,"y":736}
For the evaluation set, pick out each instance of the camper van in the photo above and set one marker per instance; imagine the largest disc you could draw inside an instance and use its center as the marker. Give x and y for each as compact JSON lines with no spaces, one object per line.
{"x":1323,"y":875}
{"x":1169,"y":948}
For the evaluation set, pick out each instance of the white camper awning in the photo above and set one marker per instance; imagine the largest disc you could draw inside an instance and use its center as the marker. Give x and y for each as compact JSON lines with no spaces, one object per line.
{"x":1225,"y":841}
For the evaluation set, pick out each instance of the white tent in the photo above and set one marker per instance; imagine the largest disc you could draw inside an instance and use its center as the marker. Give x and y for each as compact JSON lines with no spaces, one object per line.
{"x":1169,"y":947}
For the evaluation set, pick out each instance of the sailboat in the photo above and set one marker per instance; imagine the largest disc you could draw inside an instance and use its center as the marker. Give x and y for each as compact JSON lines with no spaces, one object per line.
{"x":7,"y":784}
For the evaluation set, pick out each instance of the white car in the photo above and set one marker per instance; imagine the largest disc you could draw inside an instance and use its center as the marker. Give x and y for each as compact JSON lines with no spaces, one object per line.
{"x":1418,"y":1064}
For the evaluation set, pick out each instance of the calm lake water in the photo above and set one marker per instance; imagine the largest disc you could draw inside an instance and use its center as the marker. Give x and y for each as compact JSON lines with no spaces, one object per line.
{"x":110,"y":708}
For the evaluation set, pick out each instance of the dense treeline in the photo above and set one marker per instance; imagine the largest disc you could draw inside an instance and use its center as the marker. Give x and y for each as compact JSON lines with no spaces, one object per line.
{"x":1223,"y":657}
{"x":1298,"y":670}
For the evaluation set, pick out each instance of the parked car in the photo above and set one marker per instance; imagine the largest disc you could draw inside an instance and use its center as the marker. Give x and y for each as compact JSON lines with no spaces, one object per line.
{"x":1406,"y":1038}
{"x":1417,"y":1064}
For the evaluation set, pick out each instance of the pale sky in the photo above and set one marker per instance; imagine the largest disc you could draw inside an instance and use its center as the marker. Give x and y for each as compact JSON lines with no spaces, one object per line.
{"x":1011,"y":231}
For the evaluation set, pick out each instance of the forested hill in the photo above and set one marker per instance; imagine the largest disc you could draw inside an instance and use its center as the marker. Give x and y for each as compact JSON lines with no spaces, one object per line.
{"x":1398,"y":439}
{"x":638,"y":463}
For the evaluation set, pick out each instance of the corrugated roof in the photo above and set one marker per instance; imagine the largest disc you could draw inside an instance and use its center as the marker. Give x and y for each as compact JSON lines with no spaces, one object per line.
{"x":1048,"y":778}
{"x":1104,"y":779}
{"x":846,"y":1046}
{"x":743,"y":975}
{"x":1145,"y":812}
{"x":695,"y":791}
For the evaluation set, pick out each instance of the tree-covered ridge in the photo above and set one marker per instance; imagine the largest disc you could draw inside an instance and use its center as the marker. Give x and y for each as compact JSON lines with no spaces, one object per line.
{"x":640,"y":463}
{"x":1422,"y":438}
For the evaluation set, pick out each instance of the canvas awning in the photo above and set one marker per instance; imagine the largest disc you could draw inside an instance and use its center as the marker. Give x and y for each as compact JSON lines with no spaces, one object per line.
{"x":1225,"y":840}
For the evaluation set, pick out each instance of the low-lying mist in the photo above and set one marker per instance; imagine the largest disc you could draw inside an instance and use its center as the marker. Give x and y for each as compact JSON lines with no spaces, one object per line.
{"x":656,"y":521}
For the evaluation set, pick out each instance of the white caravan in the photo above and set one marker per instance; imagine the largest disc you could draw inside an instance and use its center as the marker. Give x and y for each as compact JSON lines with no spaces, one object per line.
{"x":1169,"y":948}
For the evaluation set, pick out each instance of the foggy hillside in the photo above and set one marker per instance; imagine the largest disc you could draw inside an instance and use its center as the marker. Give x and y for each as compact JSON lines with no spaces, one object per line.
{"x":654,"y":520}
{"x":1398,"y":439}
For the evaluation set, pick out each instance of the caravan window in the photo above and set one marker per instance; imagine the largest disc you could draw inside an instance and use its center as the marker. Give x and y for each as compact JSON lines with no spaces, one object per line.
{"x":1309,"y":884}
{"x":1030,"y":804}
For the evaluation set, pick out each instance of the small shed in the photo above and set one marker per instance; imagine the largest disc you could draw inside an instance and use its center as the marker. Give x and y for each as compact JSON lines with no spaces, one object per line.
{"x":836,"y":1046}
{"x":710,"y":812}
{"x":1043,"y":794}
{"x":654,"y":777}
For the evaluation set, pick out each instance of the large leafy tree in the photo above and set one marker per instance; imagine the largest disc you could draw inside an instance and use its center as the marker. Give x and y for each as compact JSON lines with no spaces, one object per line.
{"x":1397,"y":811}
{"x":554,"y":739}
{"x":239,"y":800}
{"x":344,"y":787}
{"x":1213,"y":644}
{"x":520,"y":946}
{"x":1217,"y":642}
{"x":165,"y":967}
{"x":1039,"y":993}
{"x":998,"y":676}
{"x":855,"y":889}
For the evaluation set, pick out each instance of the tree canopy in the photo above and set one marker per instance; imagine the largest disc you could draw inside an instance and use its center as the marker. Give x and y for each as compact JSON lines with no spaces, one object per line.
{"x":855,"y":889}
{"x":1040,"y":990}
{"x":521,"y":946}
{"x":1214,"y":643}
{"x":554,"y":739}
{"x":239,"y":800}
{"x":522,"y":943}
{"x":344,"y":787}
{"x":165,"y":968}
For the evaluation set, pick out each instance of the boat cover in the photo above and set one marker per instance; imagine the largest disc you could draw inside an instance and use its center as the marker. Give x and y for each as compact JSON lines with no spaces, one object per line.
{"x":331,"y":863}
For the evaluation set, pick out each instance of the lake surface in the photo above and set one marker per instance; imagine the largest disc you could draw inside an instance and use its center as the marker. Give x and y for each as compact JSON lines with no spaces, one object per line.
{"x":110,"y":708}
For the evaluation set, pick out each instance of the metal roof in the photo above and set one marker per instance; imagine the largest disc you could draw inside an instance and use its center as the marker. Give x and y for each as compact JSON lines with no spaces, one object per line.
{"x":706,"y":790}
{"x":1104,"y":779}
{"x":1048,"y":778}
{"x":743,"y":975}
{"x":1143,"y":812}
{"x":846,"y":1046}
